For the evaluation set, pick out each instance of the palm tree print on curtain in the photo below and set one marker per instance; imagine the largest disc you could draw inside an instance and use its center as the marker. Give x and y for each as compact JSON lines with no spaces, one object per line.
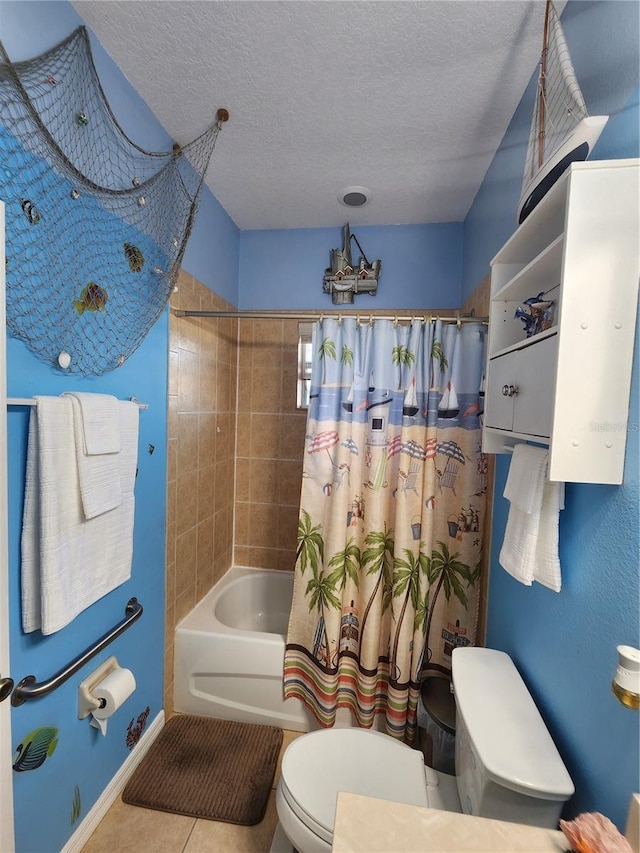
{"x":391,"y":515}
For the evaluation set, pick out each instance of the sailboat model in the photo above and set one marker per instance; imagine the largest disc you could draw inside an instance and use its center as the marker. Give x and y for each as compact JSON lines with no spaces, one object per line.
{"x":562,"y":131}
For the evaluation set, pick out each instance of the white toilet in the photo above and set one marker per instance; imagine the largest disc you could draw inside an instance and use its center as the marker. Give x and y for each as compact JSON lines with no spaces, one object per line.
{"x":507,"y":766}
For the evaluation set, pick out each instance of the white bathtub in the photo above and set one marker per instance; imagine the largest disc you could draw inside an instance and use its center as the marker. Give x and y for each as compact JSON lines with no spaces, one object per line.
{"x":229,"y":652}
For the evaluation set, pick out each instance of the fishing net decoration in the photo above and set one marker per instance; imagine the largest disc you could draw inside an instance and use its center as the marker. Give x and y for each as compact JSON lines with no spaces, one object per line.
{"x":96,"y":226}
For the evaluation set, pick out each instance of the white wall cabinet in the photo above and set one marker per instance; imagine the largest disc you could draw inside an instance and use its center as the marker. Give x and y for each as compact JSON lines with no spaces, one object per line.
{"x":569,"y":385}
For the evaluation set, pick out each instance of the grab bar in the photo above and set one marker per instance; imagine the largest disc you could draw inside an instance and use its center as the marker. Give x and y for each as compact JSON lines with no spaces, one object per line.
{"x":29,"y":688}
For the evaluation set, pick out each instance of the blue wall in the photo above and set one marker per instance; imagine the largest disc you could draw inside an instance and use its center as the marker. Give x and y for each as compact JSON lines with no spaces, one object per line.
{"x":84,"y":758}
{"x":421,"y":267}
{"x":565,"y":644}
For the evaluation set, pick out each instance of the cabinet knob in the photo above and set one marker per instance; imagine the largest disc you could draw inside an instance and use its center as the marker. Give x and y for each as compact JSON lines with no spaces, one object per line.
{"x":509,"y":390}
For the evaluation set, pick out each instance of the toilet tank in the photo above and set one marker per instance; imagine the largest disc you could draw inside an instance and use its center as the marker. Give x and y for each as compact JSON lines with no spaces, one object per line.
{"x":507,"y":765}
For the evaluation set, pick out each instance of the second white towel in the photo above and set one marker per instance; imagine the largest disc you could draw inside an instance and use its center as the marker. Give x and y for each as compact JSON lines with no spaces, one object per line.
{"x":530,"y":549}
{"x":96,"y":427}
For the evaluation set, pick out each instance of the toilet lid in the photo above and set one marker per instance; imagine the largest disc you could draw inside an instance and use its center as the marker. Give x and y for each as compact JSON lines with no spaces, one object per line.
{"x":318,"y":765}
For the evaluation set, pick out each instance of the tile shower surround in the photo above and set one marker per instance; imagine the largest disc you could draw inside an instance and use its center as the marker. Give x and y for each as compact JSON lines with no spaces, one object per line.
{"x":232,"y":399}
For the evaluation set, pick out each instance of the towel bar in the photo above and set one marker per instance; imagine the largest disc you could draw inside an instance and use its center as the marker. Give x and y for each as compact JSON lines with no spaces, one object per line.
{"x":29,"y":688}
{"x":31,"y":401}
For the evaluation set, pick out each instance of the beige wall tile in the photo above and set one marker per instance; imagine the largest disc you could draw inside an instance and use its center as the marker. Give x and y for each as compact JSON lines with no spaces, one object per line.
{"x":257,"y":558}
{"x":189,"y":334}
{"x":204,"y":565}
{"x":225,"y":436}
{"x":207,"y":425}
{"x":265,"y":436}
{"x":171,"y":503}
{"x":286,"y":526}
{"x":243,"y":434}
{"x":206,"y":493}
{"x":263,"y":480}
{"x":185,"y":602}
{"x":172,"y":458}
{"x":289,"y":477}
{"x":286,"y":560}
{"x":199,"y":487}
{"x":172,"y":414}
{"x":186,"y":502}
{"x":243,"y":472}
{"x":172,"y":384}
{"x":187,"y":442}
{"x":221,"y":522}
{"x":188,"y":381}
{"x":262,"y":525}
{"x":186,"y":560}
{"x":291,"y":436}
{"x":266,"y":387}
{"x":289,"y":391}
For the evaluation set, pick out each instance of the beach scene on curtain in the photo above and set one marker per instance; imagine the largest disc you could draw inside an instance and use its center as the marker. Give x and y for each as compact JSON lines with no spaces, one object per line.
{"x":391,"y":517}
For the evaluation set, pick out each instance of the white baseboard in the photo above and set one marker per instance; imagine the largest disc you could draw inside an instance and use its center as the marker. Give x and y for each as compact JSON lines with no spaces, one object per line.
{"x":114,"y":788}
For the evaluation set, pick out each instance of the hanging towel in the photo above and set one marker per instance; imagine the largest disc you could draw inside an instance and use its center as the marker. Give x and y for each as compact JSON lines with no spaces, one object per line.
{"x":100,"y":422}
{"x":96,"y":425}
{"x":530,"y":548}
{"x":68,"y":561}
{"x":547,"y":562}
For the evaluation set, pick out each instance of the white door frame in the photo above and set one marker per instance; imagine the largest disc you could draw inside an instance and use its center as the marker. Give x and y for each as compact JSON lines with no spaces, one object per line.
{"x":6,"y":771}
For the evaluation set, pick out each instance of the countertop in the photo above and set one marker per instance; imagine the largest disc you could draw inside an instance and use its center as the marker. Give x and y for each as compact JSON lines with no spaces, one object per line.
{"x":367,"y":825}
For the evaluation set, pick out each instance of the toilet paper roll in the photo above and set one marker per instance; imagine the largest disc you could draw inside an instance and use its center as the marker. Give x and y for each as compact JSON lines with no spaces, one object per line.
{"x":111,"y":692}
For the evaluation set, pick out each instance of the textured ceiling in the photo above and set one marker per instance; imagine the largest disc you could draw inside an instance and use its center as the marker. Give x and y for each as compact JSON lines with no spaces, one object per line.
{"x":408,"y":99}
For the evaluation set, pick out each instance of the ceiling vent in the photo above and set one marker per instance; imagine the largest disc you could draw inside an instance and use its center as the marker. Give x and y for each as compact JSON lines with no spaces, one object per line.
{"x":354,"y":196}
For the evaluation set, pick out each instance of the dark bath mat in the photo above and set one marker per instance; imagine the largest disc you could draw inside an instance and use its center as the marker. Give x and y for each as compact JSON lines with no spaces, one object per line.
{"x":206,"y":768}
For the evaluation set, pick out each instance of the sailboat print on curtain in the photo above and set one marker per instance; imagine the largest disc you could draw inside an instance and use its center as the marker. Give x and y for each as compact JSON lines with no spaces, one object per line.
{"x":376,"y":567}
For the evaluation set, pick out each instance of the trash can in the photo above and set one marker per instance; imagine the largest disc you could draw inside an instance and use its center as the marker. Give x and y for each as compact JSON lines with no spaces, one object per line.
{"x":438,"y":723}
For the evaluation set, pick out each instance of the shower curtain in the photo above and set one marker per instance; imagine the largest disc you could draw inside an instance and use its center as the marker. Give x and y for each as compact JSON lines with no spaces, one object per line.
{"x":391,"y":514}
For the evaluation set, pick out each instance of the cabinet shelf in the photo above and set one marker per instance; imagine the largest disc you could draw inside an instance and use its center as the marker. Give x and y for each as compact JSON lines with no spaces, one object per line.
{"x":525,"y":342}
{"x":569,"y":385}
{"x":542,"y":273}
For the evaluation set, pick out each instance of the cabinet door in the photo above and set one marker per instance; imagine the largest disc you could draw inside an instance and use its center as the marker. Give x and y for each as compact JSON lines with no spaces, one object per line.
{"x":499,"y":406}
{"x":520,"y":389}
{"x":535,"y":382}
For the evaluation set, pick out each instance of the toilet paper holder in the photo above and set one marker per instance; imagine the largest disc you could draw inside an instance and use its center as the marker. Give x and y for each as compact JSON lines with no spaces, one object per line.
{"x":86,"y":702}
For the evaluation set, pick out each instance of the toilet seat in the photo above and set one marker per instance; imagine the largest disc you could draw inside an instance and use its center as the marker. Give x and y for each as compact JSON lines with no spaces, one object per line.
{"x":316,"y":766}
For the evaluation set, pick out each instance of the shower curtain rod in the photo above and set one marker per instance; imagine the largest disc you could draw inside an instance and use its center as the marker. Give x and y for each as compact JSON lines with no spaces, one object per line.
{"x":361,"y":316}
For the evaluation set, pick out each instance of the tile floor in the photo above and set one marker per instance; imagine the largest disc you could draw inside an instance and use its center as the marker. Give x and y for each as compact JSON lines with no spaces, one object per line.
{"x":129,"y":828}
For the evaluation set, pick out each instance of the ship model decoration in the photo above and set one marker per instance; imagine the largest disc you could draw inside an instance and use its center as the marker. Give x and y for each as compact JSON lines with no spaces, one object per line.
{"x":537,"y":315}
{"x":562,"y":131}
{"x":343,"y":280}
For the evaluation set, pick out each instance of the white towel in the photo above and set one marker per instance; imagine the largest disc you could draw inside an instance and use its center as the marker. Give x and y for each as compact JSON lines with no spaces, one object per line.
{"x":68,"y":561}
{"x":530,"y":548}
{"x":547,"y":562}
{"x":99,"y":474}
{"x":100,"y":422}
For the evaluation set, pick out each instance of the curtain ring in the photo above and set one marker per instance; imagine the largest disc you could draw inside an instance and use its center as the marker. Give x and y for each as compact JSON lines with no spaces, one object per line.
{"x":458,"y":322}
{"x":395,"y":321}
{"x":371,"y":320}
{"x":339,"y":319}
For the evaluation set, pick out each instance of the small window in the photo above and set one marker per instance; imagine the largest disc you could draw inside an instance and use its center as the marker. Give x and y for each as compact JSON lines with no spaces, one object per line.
{"x":305,"y":355}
